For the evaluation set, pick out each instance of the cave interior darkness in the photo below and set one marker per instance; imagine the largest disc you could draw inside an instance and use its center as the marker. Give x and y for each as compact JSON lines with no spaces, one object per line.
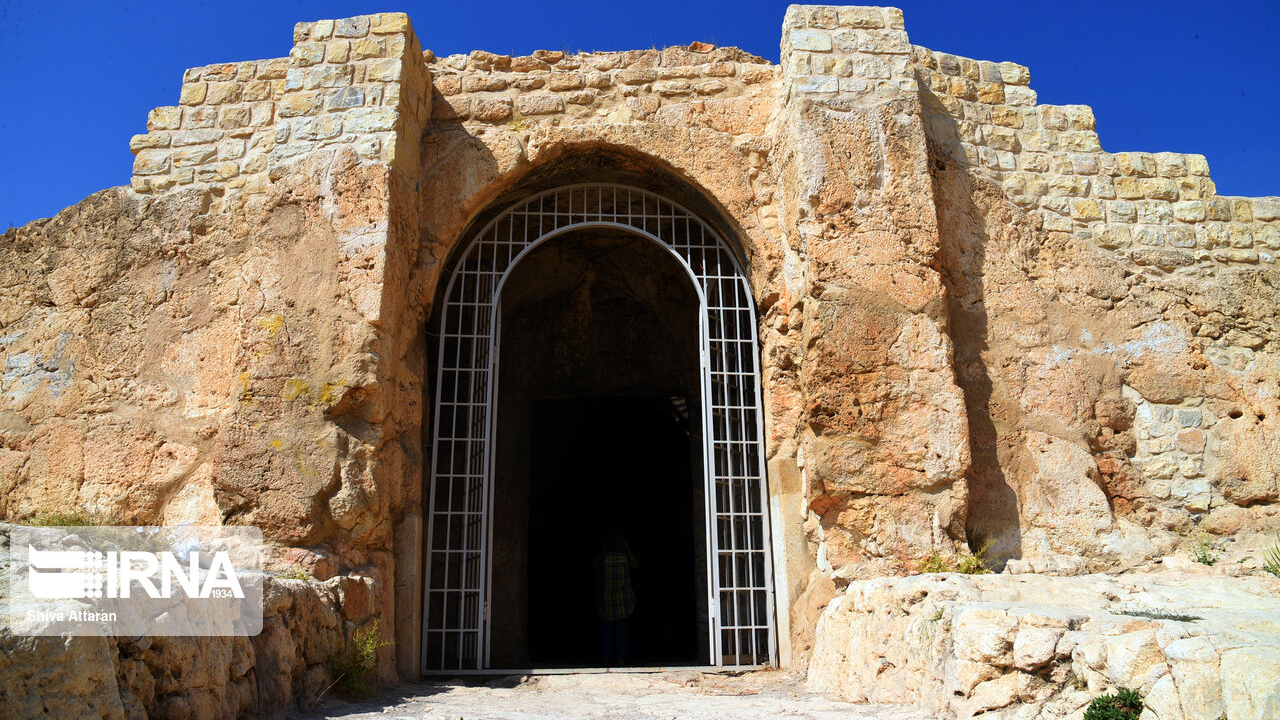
{"x":598,"y":428}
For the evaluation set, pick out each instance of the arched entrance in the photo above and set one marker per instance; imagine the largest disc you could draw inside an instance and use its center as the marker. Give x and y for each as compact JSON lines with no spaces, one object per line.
{"x":459,"y":572}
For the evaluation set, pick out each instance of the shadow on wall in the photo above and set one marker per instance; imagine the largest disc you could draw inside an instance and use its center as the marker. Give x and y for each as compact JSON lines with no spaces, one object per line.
{"x":993,"y":511}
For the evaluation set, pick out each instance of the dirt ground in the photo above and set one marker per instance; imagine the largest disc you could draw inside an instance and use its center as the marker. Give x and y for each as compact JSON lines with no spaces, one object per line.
{"x":683,"y":695}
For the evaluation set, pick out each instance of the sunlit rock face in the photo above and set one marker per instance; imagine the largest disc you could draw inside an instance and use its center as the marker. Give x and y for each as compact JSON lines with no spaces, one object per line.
{"x":976,"y":328}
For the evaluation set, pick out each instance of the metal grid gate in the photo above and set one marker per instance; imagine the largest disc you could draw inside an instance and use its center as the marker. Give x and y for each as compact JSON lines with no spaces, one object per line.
{"x":740,"y":584}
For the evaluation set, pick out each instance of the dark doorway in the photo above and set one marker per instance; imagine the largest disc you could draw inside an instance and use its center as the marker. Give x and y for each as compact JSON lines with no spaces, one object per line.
{"x":602,"y":464}
{"x":598,"y":428}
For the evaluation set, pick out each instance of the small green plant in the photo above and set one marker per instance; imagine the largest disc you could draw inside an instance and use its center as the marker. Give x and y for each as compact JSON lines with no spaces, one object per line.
{"x":1271,"y":558}
{"x":1202,"y":547}
{"x":76,"y":517}
{"x":354,"y":663}
{"x":935,"y":563}
{"x":1079,"y":683}
{"x":1162,"y":615}
{"x":1126,"y":704}
{"x":975,"y":564}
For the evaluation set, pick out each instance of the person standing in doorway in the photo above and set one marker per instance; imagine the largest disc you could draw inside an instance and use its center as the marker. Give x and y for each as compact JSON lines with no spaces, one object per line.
{"x":615,"y":598}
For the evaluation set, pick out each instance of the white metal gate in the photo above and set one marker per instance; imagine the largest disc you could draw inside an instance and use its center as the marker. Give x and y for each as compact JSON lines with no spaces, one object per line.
{"x":459,"y":530}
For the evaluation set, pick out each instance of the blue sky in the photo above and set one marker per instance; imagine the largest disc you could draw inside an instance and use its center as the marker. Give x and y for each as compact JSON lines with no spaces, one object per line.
{"x":1181,"y":76}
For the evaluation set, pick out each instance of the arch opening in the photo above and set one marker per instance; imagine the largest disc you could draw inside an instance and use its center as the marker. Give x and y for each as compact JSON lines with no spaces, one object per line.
{"x":468,"y":458}
{"x":598,"y":429}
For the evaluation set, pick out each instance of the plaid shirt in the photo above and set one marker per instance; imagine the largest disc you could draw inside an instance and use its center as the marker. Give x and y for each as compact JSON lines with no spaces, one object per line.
{"x":616,"y":600}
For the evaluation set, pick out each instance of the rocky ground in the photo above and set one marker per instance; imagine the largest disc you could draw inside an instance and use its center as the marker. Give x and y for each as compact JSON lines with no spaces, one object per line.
{"x":687,"y":695}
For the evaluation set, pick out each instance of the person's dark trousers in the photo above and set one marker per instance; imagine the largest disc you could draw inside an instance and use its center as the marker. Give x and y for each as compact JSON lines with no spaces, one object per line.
{"x":613,"y":641}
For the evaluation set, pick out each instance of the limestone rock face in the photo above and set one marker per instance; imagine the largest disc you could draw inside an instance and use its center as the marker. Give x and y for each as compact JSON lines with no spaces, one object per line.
{"x":1013,"y":646}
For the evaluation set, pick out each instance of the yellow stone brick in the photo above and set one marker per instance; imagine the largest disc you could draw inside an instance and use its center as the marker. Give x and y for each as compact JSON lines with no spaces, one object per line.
{"x":338,"y":51}
{"x":1160,"y":188}
{"x":222,"y":92}
{"x":299,"y":104}
{"x":193,"y":93}
{"x":366,"y":48}
{"x":1006,"y":117}
{"x":1244,"y":210}
{"x":151,"y":162}
{"x":168,"y":117}
{"x":193,"y":156}
{"x":384,"y":23}
{"x":274,"y":69}
{"x":1085,"y":210}
{"x":991,"y":93}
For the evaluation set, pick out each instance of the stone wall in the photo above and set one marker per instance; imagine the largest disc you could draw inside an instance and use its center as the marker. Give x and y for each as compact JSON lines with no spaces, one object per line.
{"x":1157,"y":210}
{"x":355,"y":82}
{"x":608,"y":86}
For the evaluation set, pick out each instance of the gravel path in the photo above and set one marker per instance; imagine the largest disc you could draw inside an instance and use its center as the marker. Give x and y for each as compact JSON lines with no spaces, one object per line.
{"x":684,"y":695}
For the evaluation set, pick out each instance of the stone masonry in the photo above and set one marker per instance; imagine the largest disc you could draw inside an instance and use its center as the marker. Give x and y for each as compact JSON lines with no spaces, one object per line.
{"x":977,"y":328}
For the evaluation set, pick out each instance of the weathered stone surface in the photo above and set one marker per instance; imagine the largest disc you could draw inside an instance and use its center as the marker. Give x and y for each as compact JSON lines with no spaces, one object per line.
{"x":956,"y":645}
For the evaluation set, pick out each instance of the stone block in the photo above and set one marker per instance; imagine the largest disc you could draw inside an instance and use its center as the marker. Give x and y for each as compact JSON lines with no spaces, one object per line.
{"x":321,"y":127}
{"x":1266,"y":208}
{"x":299,"y":104}
{"x":386,"y":23}
{"x":185,"y":138}
{"x":231,"y":117}
{"x":710,"y":87}
{"x":353,"y":27}
{"x":1160,"y":188}
{"x":193,"y":93}
{"x":331,"y":76}
{"x":168,"y":117}
{"x":1113,"y":236}
{"x":371,"y":119}
{"x":1189,"y":211}
{"x":193,"y":156}
{"x":272,"y":69}
{"x":811,"y":40}
{"x":347,"y":97}
{"x":151,"y":162}
{"x":884,"y":42}
{"x":257,"y":90}
{"x":670,"y":88}
{"x":307,"y":54}
{"x":540,"y":104}
{"x":528,"y":63}
{"x":1085,"y":210}
{"x":635,"y":76}
{"x":819,"y":84}
{"x":1129,"y":188}
{"x":485,"y":83}
{"x":990,"y":92}
{"x":262,"y":113}
{"x":1013,"y":73}
{"x":1156,"y":212}
{"x":150,"y":140}
{"x":386,"y":70}
{"x":367,"y":48}
{"x":338,"y":51}
{"x":199,"y":117}
{"x":565,"y":81}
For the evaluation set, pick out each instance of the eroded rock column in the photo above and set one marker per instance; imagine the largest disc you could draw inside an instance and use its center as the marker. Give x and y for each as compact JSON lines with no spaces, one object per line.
{"x":885,"y":440}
